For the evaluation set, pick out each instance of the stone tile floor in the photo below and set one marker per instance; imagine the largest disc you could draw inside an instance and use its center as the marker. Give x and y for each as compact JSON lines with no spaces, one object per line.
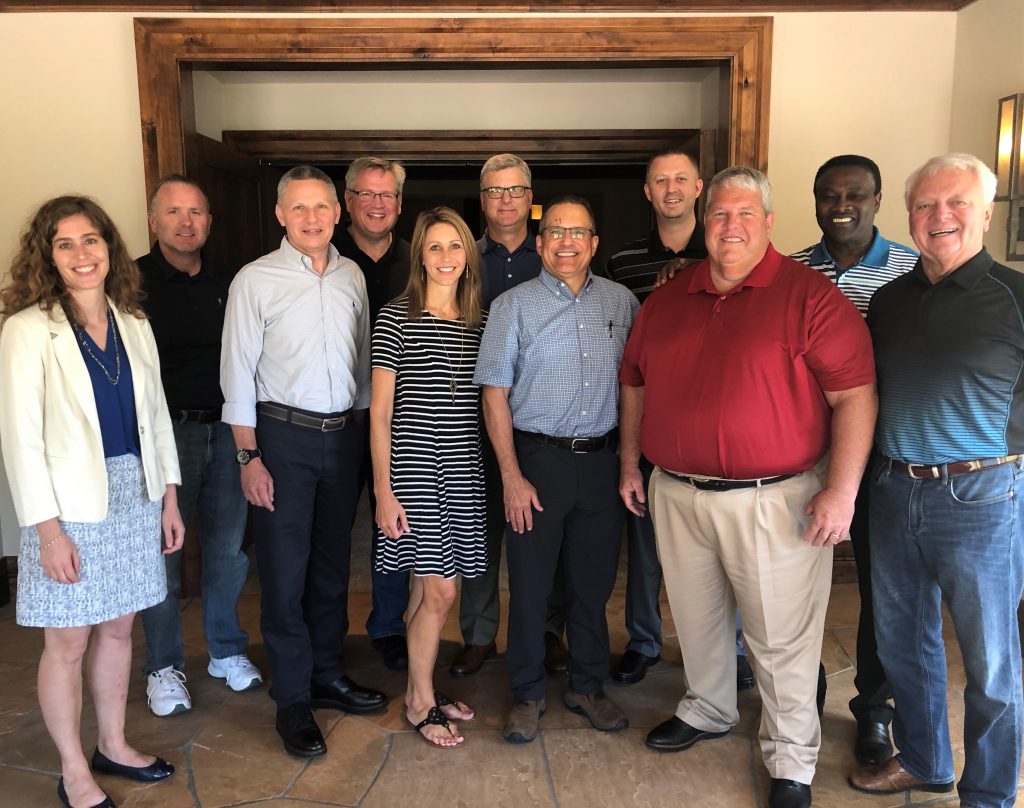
{"x":227,"y":753}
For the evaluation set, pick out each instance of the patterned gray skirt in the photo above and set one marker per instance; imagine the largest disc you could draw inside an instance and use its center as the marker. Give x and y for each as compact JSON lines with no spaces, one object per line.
{"x":122,"y":568}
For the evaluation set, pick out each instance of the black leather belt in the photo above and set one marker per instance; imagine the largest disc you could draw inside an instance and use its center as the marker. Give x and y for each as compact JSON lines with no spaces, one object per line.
{"x":922,"y":472}
{"x":574,"y":445}
{"x":199,"y":416}
{"x":702,"y":484}
{"x":322,"y":422}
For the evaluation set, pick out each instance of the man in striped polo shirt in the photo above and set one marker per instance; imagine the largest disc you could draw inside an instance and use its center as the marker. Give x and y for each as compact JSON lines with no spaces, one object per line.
{"x":847,"y":195}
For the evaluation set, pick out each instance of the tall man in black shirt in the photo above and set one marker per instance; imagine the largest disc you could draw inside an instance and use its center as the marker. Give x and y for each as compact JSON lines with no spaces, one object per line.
{"x":185,"y":301}
{"x":373,"y":199}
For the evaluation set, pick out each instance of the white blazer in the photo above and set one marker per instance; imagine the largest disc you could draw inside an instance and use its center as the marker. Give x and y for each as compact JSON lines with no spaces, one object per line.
{"x":49,"y":426}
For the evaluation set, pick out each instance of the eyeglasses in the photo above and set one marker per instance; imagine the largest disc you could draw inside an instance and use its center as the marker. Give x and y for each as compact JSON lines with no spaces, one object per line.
{"x":370,"y":196}
{"x":575,"y":233}
{"x":514,"y":191}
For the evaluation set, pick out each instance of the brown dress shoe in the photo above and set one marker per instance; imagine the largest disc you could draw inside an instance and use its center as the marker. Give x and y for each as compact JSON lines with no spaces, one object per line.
{"x":523,"y":721}
{"x":470,"y":659}
{"x":891,"y":778}
{"x":556,"y":658}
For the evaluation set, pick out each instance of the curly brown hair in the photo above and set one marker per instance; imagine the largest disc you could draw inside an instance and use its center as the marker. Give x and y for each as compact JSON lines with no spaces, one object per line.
{"x":35,"y":279}
{"x":468,"y":290}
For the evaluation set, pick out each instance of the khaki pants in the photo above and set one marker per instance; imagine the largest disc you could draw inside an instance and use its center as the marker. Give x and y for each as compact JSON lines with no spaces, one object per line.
{"x":720,"y":550}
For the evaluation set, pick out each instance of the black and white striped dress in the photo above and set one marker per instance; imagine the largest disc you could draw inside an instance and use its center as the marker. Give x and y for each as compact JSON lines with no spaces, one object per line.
{"x":436,"y":466}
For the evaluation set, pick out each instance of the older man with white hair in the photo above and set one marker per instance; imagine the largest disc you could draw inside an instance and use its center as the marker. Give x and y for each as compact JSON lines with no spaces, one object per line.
{"x":748,"y":383}
{"x":946,"y":491}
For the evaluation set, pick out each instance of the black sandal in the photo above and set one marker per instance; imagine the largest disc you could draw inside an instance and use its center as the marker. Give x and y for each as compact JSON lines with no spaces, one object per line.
{"x":442,"y":700}
{"x":437,"y":718}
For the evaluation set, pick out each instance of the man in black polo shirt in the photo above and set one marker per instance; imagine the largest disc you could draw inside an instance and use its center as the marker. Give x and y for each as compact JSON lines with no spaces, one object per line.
{"x":185,"y":297}
{"x":672,"y":186}
{"x":373,"y":199}
{"x":945,"y":512}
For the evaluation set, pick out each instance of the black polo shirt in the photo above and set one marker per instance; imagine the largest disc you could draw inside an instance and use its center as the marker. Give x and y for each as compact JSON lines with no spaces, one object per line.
{"x":950,"y":363}
{"x":187,"y":315}
{"x":503,"y":270}
{"x":636,"y":265}
{"x":385,"y":279}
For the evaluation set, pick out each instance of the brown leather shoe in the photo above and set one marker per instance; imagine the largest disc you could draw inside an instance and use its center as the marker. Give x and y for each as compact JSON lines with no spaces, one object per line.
{"x":598,"y":709}
{"x":891,"y":778}
{"x":523,"y":721}
{"x":470,"y":659}
{"x":556,"y":658}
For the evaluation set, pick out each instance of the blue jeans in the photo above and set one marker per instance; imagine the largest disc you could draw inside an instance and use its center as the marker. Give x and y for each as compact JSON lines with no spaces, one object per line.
{"x":212,"y":489}
{"x":955,"y":540}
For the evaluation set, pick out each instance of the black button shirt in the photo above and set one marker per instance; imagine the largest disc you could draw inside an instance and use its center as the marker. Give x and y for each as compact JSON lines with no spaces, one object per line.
{"x":187,"y":315}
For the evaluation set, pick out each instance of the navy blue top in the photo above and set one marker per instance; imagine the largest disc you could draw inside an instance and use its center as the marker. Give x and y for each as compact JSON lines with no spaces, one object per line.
{"x":503,"y":270}
{"x":115,"y":404}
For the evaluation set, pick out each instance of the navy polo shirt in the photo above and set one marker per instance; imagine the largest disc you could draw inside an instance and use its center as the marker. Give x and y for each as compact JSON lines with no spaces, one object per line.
{"x":504,"y":270}
{"x":950,"y":361}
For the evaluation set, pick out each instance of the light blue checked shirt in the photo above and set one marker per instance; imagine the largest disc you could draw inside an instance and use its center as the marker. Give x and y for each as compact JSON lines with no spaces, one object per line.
{"x":560,"y":354}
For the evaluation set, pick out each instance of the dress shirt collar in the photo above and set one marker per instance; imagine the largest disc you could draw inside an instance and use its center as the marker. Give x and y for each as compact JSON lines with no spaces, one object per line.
{"x":655,"y":245}
{"x":877,"y":255}
{"x":486,"y":244}
{"x":299,"y":260}
{"x":554,"y":285}
{"x":966,"y":276}
{"x":763,"y":274}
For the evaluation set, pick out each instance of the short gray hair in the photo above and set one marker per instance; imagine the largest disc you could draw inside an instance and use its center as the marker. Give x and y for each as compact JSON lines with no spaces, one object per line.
{"x":749,"y":179}
{"x":305,"y":173}
{"x":361,"y":164}
{"x":500,"y":162}
{"x":958,"y":161}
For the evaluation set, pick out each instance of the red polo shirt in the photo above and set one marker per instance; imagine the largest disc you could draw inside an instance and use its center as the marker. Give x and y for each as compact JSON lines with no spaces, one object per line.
{"x":733,"y":382}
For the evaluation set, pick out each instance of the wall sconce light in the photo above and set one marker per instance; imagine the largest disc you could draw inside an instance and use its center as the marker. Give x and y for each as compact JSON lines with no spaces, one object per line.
{"x":1010,"y":170}
{"x":536,"y":212}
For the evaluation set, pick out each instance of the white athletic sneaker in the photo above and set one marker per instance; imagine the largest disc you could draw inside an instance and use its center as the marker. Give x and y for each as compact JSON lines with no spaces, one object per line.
{"x":237,"y":671}
{"x":167,"y":693}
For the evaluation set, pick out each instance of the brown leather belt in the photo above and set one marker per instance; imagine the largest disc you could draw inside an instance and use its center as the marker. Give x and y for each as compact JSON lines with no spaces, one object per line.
{"x":323,"y":422}
{"x":574,"y":445}
{"x":920,"y":472}
{"x":702,"y":484}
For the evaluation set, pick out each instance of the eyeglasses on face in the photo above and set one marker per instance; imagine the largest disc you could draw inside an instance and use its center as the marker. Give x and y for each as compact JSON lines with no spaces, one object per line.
{"x":575,"y":233}
{"x":514,"y":191}
{"x":370,"y":196}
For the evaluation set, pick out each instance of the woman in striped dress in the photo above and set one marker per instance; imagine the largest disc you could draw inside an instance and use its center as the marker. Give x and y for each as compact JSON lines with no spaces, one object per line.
{"x":425,"y":442}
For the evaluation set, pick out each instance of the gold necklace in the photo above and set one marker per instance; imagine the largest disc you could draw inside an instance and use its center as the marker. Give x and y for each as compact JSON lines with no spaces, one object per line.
{"x":453,"y":385}
{"x":117,"y":353}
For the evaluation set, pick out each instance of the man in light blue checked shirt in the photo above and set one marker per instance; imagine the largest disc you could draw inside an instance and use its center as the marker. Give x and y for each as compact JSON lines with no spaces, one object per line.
{"x":549,"y":368}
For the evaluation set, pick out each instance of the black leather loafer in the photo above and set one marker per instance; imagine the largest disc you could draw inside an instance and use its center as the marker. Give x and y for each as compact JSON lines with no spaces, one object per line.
{"x":789,"y":794}
{"x":633,"y":666}
{"x":159,"y":769}
{"x":393,"y":651}
{"x":299,"y":731}
{"x":675,"y":735}
{"x":62,"y":795}
{"x":873,"y":745}
{"x":344,"y":694}
{"x":744,"y":673}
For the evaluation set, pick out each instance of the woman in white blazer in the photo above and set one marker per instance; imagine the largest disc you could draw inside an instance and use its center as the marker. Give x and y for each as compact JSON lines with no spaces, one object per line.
{"x":89,"y":451}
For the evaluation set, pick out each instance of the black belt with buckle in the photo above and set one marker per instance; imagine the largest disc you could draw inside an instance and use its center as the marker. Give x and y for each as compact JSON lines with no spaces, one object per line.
{"x":199,"y":416}
{"x":322,"y":422}
{"x":702,"y":484}
{"x":574,"y":445}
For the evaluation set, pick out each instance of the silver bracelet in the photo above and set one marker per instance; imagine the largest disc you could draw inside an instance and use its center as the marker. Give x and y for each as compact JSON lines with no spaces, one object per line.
{"x":53,"y":541}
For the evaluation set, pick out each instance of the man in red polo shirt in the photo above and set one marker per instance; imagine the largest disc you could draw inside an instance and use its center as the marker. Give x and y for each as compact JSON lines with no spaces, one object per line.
{"x":749,"y":383}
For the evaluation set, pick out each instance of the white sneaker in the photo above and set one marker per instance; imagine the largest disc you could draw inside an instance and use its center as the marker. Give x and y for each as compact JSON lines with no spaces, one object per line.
{"x":240,"y":674}
{"x":167,"y":693}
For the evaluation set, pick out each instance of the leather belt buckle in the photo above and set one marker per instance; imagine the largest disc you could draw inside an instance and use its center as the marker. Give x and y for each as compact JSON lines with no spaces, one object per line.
{"x":583,"y":441}
{"x":334,"y":424}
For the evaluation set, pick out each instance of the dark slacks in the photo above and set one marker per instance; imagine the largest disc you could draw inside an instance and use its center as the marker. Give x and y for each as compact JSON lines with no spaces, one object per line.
{"x":582,"y":522}
{"x":303,"y":548}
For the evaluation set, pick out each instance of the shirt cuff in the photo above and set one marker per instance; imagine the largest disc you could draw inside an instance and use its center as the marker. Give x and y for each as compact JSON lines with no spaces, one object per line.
{"x":238,"y":414}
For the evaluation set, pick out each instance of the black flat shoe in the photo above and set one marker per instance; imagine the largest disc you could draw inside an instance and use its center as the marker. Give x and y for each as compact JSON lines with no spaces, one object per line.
{"x":675,"y":735}
{"x":789,"y":794}
{"x":633,"y":666}
{"x":393,"y":651}
{"x":744,"y":673}
{"x":62,"y":795}
{"x":299,"y":731}
{"x":344,"y":694}
{"x":873,"y":745}
{"x":158,"y":770}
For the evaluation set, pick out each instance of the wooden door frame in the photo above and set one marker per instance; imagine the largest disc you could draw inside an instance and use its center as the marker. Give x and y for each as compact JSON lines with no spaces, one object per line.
{"x":167,"y":50}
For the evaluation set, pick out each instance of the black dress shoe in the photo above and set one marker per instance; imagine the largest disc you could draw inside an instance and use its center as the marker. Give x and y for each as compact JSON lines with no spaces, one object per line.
{"x":298,"y":729}
{"x":744,"y":673}
{"x":633,"y":666}
{"x":344,"y":694}
{"x":873,"y":745}
{"x":675,"y":735}
{"x":62,"y":795}
{"x":394,"y":651}
{"x":159,"y":769}
{"x":789,"y":794}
